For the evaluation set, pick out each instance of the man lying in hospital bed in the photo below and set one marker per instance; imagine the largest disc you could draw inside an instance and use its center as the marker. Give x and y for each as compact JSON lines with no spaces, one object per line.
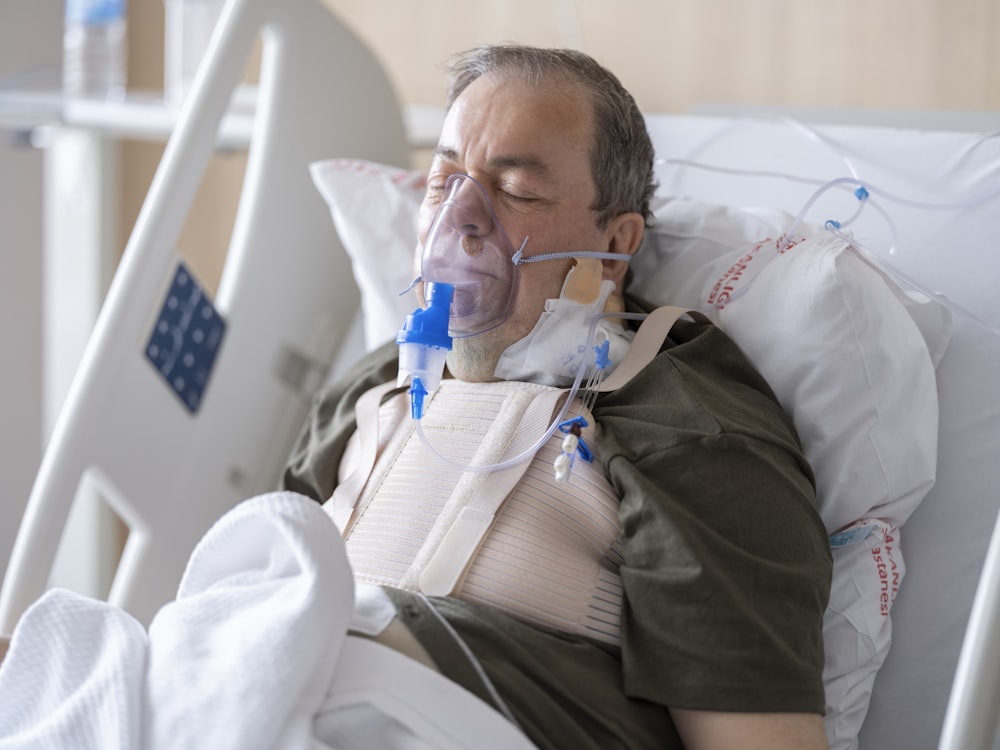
{"x":716,"y":548}
{"x":694,"y":612}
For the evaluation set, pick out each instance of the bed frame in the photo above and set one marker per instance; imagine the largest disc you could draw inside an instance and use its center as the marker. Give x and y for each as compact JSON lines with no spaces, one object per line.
{"x":949,"y":253}
{"x":171,"y":458}
{"x":285,"y":298}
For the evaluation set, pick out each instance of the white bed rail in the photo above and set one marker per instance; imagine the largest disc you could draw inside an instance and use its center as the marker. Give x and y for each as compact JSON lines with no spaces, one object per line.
{"x":970,"y":721}
{"x":321,"y":94}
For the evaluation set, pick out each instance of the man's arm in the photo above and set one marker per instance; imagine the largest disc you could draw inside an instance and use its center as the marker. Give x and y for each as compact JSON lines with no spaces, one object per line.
{"x":311,"y":469}
{"x":712,"y":730}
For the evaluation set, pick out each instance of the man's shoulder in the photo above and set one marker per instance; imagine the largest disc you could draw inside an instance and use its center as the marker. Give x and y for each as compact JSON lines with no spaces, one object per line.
{"x":700,"y":382}
{"x":704,"y":353}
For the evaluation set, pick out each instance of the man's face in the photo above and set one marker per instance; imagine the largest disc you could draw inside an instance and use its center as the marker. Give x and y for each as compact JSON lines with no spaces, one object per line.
{"x":530,"y":149}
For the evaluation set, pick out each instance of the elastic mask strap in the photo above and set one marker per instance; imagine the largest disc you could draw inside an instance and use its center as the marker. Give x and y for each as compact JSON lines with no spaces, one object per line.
{"x":518,"y":259}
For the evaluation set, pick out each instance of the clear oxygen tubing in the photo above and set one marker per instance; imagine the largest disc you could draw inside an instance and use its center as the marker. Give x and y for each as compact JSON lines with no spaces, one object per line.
{"x":806,"y":130}
{"x":893,"y":271}
{"x":854,"y":180}
{"x":845,"y":182}
{"x":863,"y":190}
{"x":518,"y":259}
{"x":851,"y":181}
{"x":530,"y":452}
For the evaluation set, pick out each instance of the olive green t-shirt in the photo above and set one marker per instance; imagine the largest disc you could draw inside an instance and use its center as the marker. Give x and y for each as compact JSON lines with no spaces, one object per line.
{"x":726,"y":564}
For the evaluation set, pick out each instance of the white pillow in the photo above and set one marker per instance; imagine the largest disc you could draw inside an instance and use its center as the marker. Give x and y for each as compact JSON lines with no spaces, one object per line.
{"x":831,"y":334}
{"x":841,"y":346}
{"x":374,"y":209}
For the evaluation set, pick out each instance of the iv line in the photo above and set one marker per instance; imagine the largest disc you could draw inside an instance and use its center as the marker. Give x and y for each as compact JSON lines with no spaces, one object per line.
{"x":530,"y":452}
{"x":864,"y":191}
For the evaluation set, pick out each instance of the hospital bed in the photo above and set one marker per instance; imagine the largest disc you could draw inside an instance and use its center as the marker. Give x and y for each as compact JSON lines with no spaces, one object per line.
{"x":172,"y":452}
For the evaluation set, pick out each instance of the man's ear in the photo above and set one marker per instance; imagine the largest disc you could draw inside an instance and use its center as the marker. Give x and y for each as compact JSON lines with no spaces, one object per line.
{"x":624,"y":233}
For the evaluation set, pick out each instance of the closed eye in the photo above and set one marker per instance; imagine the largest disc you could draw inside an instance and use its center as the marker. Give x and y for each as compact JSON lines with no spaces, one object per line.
{"x":435,"y":191}
{"x":517,"y":197}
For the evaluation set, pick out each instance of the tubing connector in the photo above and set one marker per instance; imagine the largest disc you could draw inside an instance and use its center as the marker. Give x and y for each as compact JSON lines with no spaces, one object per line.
{"x":424,"y":344}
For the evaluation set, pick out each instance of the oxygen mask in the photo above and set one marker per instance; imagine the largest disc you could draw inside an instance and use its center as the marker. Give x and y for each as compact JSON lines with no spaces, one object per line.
{"x":468,"y":249}
{"x":469,"y":269}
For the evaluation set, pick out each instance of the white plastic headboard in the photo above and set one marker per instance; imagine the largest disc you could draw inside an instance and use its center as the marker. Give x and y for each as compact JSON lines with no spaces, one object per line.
{"x":286,"y":293}
{"x":935,"y":248}
{"x":954,"y":253}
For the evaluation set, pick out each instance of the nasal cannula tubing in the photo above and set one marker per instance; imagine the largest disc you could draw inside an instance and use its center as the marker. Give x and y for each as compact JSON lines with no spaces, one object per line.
{"x":574,"y":389}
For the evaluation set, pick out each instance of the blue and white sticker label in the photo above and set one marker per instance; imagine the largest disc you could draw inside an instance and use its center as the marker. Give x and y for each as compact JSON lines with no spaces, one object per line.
{"x":186,"y":338}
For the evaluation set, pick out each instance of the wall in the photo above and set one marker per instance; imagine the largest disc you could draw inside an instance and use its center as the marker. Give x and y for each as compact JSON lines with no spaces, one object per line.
{"x":30,"y":44}
{"x":673,"y":54}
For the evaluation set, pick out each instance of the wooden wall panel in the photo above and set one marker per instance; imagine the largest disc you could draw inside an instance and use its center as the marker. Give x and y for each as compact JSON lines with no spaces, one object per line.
{"x":905,"y":54}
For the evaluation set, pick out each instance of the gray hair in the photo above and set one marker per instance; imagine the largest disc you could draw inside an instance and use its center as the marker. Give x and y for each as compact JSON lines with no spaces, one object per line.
{"x":621,"y":160}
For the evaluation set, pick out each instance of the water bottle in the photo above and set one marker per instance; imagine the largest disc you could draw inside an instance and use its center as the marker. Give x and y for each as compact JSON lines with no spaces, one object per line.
{"x":94,"y":49}
{"x":188,"y":28}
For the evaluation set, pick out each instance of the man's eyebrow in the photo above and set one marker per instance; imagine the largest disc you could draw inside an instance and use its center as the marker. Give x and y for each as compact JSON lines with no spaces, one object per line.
{"x":530,"y":164}
{"x":447,"y":153}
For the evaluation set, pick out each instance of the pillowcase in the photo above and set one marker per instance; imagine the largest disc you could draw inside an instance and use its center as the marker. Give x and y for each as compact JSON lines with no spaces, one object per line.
{"x":836,"y":338}
{"x":849,"y":356}
{"x":374,"y":209}
{"x":830,"y":333}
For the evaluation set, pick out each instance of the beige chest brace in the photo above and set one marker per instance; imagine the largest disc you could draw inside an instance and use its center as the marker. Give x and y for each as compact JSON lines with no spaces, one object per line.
{"x":515,"y":539}
{"x":542,"y":551}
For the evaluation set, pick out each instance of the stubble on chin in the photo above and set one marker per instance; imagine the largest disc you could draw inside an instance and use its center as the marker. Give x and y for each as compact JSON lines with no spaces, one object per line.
{"x":474,"y":358}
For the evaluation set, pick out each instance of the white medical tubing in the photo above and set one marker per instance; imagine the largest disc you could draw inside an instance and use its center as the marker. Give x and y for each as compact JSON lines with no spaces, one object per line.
{"x":864,"y":201}
{"x":881,"y":263}
{"x":853,"y":180}
{"x":807,"y":130}
{"x":531,"y":451}
{"x":787,"y":176}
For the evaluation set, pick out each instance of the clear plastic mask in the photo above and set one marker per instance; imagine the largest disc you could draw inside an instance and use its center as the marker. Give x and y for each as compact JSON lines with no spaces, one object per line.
{"x":467,"y":248}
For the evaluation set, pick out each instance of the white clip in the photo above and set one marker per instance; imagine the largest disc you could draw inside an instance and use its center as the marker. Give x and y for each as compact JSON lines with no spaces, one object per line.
{"x":562,"y":465}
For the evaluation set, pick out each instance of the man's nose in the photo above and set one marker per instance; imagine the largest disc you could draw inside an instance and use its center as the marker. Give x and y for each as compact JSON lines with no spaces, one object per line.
{"x":473,"y":215}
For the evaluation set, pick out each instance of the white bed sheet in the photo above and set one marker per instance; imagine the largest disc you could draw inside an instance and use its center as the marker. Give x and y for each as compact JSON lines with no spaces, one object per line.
{"x":253,"y":654}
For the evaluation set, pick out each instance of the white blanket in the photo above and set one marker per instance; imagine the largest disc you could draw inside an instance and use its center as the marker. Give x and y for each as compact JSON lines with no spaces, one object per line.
{"x":243,"y":658}
{"x":254,"y":653}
